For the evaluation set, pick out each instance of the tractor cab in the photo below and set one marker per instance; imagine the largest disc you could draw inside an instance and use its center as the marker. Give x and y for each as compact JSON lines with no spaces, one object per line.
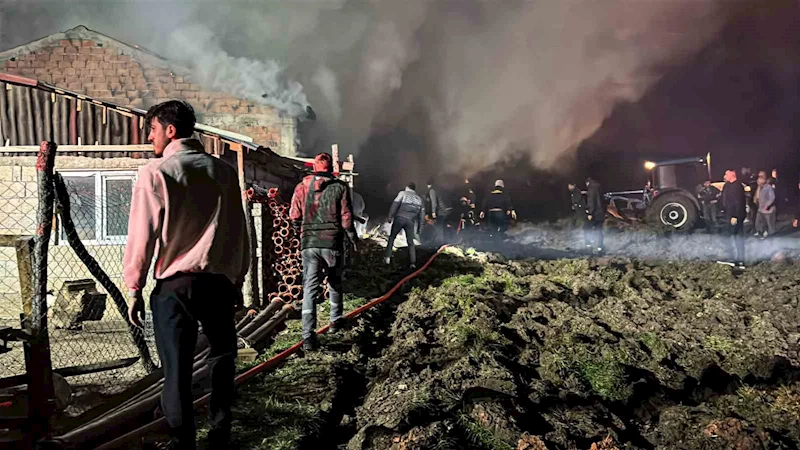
{"x":686,"y":174}
{"x":675,"y":185}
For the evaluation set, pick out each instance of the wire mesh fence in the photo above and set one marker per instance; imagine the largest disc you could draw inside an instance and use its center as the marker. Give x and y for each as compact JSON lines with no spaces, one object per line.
{"x":91,"y":343}
{"x":18,"y":203}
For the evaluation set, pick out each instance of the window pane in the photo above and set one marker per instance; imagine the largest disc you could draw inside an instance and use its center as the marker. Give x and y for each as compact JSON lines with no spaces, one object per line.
{"x":118,"y":206}
{"x":82,"y":198}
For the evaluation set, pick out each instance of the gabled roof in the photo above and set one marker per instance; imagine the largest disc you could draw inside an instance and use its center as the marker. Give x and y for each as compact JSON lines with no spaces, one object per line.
{"x":82,"y":33}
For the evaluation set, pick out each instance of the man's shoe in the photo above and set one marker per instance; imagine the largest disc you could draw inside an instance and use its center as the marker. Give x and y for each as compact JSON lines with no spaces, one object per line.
{"x":337,"y":326}
{"x":387,"y":261}
{"x":219,"y":439}
{"x":311,"y":344}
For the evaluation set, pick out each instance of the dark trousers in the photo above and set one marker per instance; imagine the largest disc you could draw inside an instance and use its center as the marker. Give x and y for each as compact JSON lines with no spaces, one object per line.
{"x":497,"y":222}
{"x":577,"y":219}
{"x":178,"y":304}
{"x":403,"y":224}
{"x":752,"y":208}
{"x":318,"y":262}
{"x":710,"y":215}
{"x":593,"y":233}
{"x":737,"y":236}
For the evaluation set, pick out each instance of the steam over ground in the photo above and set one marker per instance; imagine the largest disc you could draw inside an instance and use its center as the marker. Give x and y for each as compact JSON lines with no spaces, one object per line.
{"x":470,"y":82}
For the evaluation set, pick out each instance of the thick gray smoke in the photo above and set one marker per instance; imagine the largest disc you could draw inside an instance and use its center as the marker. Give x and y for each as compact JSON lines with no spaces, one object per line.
{"x":476,"y":80}
{"x":261,"y":81}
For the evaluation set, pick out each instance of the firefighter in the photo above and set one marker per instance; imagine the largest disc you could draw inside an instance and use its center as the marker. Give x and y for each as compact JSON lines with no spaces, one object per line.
{"x":437,"y":210}
{"x":466,"y":208}
{"x":595,"y":215}
{"x":497,"y":210}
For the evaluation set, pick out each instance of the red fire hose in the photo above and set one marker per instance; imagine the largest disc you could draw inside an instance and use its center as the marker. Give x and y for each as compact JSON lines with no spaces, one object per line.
{"x":273,"y":362}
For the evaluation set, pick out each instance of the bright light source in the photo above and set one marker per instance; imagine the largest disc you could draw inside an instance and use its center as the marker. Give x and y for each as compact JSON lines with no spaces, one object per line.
{"x":649,"y":165}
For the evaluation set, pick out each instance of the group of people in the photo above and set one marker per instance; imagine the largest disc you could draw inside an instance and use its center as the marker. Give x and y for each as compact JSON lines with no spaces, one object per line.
{"x":765,"y":198}
{"x":409,"y":213}
{"x":589,"y":212}
{"x":752,"y":199}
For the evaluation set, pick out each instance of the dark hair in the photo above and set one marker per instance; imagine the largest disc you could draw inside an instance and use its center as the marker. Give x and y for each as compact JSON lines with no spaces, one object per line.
{"x":176,"y":113}
{"x":412,"y":185}
{"x":430,"y":181}
{"x":323,"y":162}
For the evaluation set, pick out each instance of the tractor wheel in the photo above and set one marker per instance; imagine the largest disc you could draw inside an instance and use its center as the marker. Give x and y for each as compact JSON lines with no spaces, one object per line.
{"x":672,"y":211}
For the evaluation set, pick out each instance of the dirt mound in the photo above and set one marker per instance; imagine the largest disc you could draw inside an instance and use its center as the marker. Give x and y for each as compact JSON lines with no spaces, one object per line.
{"x":486,"y":353}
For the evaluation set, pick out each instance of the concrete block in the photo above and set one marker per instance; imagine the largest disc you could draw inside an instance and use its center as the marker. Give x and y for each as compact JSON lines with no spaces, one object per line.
{"x":31,"y":189}
{"x":7,"y":173}
{"x":27,"y":173}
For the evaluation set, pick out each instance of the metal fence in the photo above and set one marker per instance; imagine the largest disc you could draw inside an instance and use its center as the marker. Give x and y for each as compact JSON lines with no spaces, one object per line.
{"x":92,"y":346}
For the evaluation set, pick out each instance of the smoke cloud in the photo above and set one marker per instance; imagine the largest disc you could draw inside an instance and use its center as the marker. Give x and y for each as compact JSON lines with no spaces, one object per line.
{"x":474,"y":82}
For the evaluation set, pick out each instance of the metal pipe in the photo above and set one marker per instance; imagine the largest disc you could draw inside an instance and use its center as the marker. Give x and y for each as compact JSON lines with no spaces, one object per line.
{"x":270,"y":325}
{"x":262,"y":317}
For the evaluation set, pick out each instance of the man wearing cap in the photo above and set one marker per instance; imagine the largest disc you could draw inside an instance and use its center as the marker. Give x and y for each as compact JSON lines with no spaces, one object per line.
{"x":322,"y":209}
{"x":497,"y":209}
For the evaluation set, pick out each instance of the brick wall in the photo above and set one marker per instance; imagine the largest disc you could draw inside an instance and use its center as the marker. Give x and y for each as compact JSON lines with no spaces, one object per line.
{"x":102,"y":71}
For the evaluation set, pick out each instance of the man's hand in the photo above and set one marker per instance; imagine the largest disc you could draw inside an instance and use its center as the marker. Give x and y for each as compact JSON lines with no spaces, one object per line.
{"x":433,"y":216}
{"x":513,"y":214}
{"x":589,"y":217}
{"x":794,"y":224}
{"x":734,"y":220}
{"x":482,"y":215}
{"x":136,"y":310}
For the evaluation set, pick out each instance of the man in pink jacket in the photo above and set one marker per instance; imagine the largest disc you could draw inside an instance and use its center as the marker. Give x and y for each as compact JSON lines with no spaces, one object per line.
{"x":187,"y":210}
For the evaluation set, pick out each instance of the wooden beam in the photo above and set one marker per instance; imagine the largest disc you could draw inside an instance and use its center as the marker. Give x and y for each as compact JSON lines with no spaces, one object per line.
{"x":9,"y":240}
{"x":25,"y":268}
{"x":250,"y":288}
{"x":81,"y":148}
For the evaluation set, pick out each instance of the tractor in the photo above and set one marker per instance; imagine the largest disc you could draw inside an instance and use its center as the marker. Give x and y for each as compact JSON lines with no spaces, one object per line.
{"x":670,"y":200}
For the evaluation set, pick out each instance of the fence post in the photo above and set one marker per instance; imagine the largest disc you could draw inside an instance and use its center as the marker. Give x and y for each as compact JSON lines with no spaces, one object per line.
{"x":39,"y":367}
{"x":250,"y":288}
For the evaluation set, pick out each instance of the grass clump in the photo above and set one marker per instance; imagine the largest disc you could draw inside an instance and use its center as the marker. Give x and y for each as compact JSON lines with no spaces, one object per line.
{"x":719,"y":344}
{"x":480,"y":435}
{"x":656,"y":346}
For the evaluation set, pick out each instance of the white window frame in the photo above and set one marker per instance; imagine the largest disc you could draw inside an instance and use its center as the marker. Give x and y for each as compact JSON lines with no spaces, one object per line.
{"x":100,"y":213}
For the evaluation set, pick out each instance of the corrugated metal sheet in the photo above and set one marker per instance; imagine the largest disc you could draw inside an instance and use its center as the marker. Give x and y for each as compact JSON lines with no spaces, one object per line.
{"x":30,"y":116}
